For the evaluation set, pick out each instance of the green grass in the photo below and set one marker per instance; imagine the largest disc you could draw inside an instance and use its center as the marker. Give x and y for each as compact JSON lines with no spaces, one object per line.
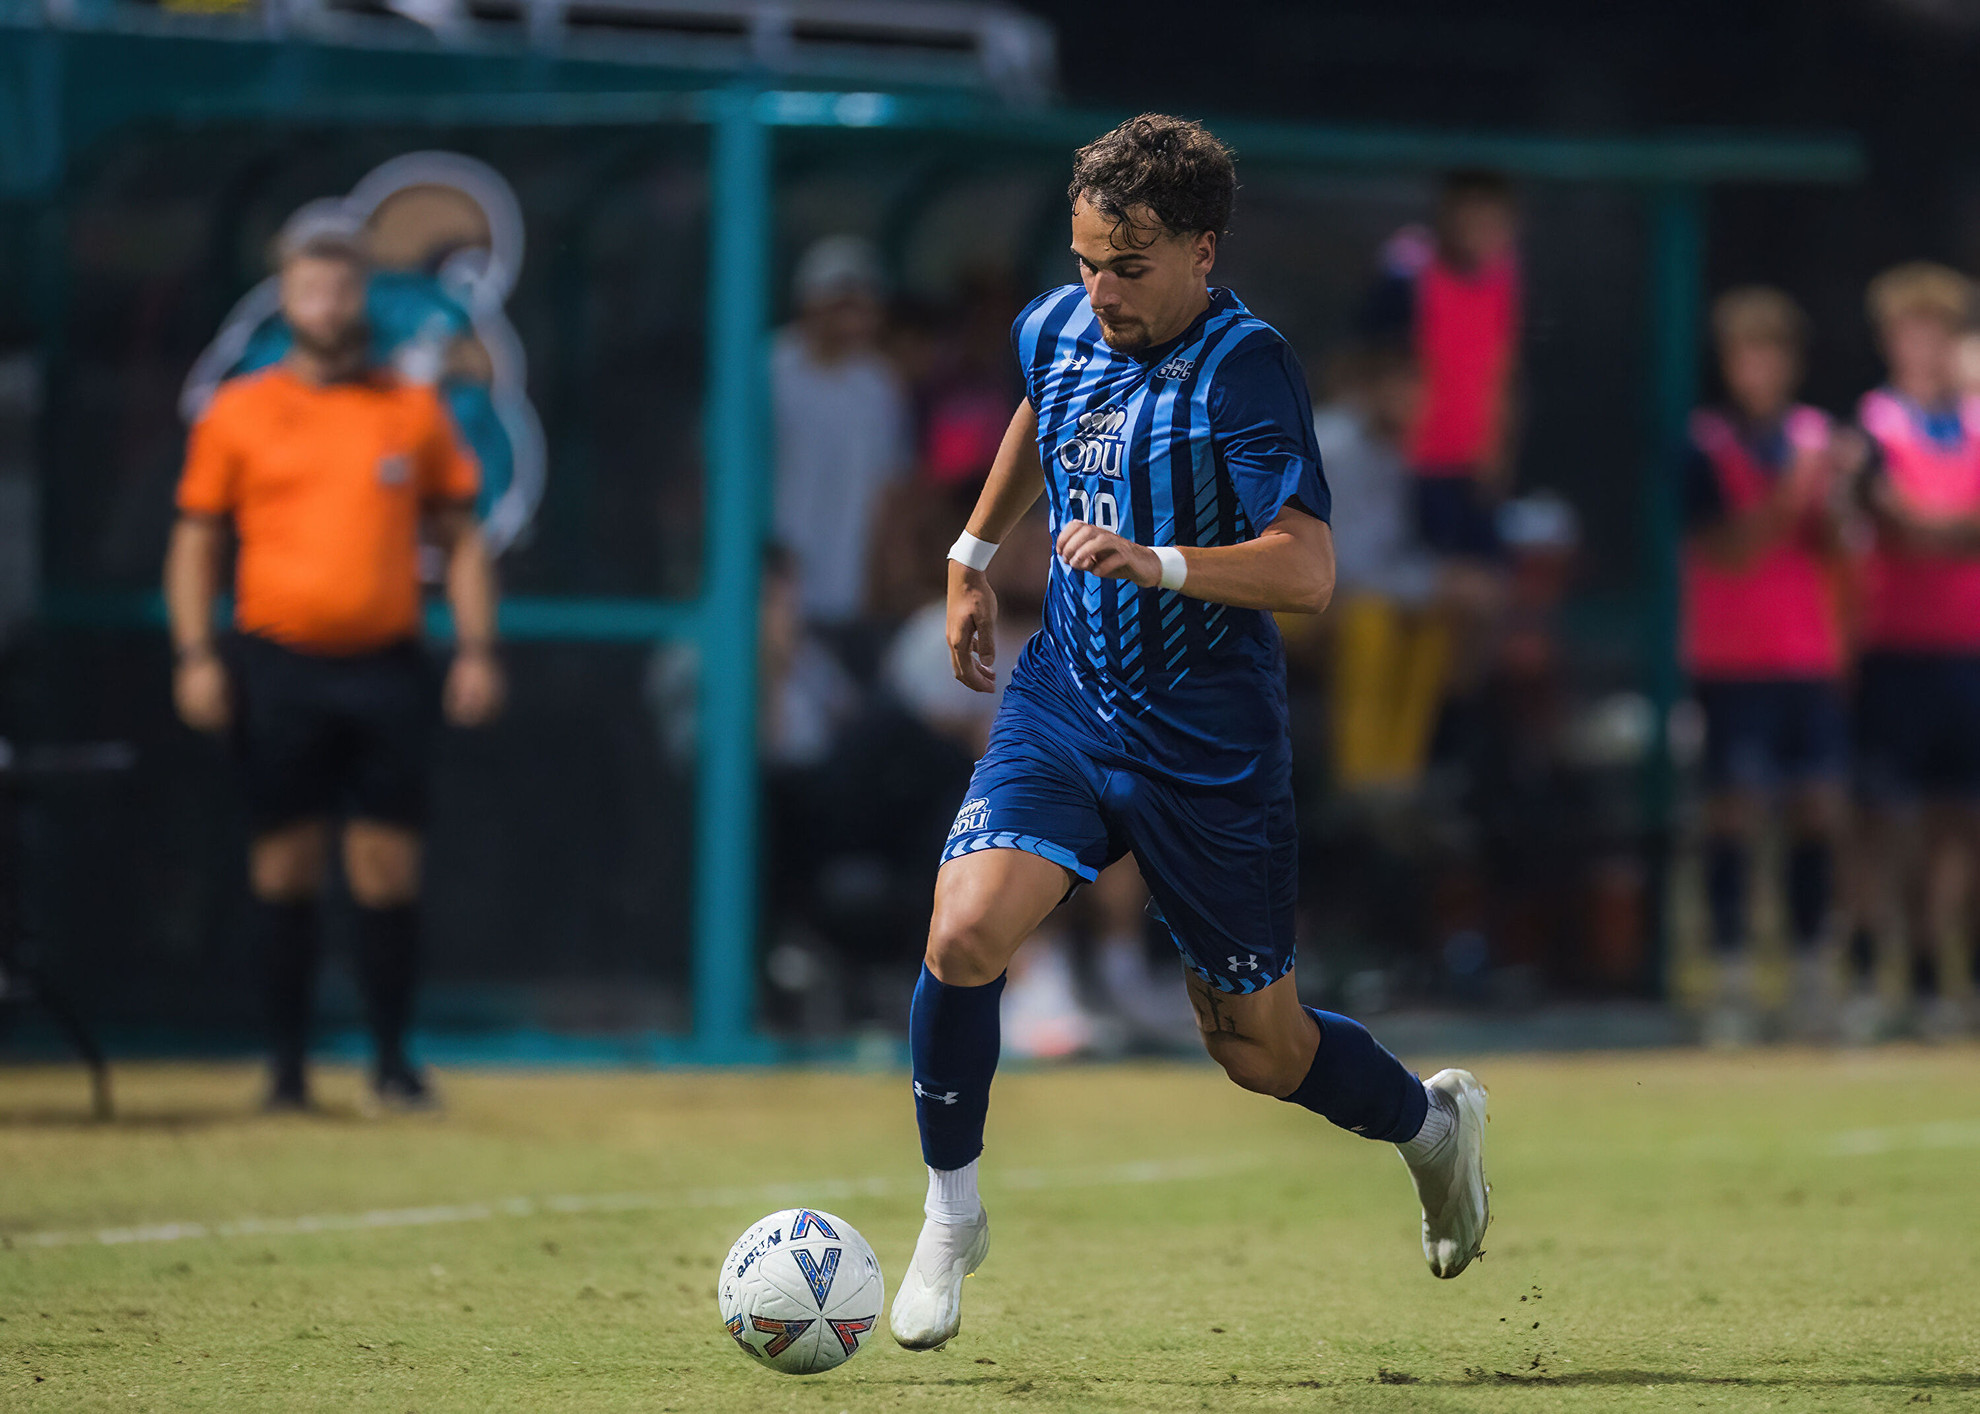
{"x":1672,"y":1232}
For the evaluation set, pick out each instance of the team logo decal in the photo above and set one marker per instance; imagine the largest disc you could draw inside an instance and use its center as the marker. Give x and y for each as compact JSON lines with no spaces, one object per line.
{"x":446,"y":232}
{"x":974,"y":815}
{"x":1098,"y":446}
{"x":806,"y":1221}
{"x":818,"y":1275}
{"x":849,"y":1333}
{"x":1176,"y":368}
{"x":782,"y":1333}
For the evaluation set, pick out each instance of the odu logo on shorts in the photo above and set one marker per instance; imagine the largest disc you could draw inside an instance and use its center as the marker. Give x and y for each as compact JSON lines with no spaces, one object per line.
{"x":1096,"y":449}
{"x":974,"y":815}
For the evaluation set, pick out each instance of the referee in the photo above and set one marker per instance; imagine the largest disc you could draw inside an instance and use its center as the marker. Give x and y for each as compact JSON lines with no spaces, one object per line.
{"x":328,"y":471}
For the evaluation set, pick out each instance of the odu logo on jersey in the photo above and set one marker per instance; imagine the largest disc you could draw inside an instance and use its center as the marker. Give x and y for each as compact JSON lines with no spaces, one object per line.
{"x":974,"y":815}
{"x":1096,"y":449}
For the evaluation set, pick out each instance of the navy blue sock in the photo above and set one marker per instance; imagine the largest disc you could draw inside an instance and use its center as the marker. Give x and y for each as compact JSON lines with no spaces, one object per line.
{"x":388,"y":969}
{"x":1725,"y":891}
{"x":1809,"y":871}
{"x":1358,"y":1085}
{"x":953,"y":1036}
{"x":285,"y":938}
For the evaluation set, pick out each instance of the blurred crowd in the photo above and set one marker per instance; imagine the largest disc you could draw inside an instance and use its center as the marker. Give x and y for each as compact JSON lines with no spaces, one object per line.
{"x":1487,"y":803}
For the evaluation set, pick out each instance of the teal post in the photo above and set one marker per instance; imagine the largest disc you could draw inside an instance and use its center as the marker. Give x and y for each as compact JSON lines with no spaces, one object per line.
{"x":738,"y":486}
{"x":1677,"y":220}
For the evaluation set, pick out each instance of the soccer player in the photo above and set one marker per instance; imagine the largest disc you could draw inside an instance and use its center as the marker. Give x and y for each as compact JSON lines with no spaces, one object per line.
{"x":1919,"y":688}
{"x":1763,"y":642}
{"x":326,"y":468}
{"x":1170,"y":431}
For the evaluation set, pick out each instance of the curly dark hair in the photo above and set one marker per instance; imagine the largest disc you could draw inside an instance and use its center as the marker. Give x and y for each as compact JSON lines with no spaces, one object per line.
{"x":1172,"y":166}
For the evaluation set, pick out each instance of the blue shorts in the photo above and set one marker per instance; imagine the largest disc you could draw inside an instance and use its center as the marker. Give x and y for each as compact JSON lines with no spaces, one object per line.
{"x":1918,"y":726}
{"x":1762,"y":734}
{"x":1223,"y":872}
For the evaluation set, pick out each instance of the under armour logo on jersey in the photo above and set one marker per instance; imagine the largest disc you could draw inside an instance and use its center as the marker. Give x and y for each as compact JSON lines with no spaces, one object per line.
{"x":818,"y":1275}
{"x":1073,"y":362}
{"x":1247,"y":963}
{"x":921,"y":1092}
{"x":1176,"y":368}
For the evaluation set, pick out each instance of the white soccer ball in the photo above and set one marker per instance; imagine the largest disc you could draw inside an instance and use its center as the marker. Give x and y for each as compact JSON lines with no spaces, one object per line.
{"x":800,"y":1291}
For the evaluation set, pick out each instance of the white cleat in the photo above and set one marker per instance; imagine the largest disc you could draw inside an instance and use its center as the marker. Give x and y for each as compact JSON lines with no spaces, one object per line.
{"x":1450,"y":1182}
{"x":928,"y":1306}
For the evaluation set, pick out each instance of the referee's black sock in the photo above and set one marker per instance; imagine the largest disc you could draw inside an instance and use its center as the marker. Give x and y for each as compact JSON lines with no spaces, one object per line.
{"x":286,"y":941}
{"x":387,"y":965}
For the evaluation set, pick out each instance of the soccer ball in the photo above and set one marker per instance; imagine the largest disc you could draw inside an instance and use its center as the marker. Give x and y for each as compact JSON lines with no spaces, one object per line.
{"x":800,"y":1291}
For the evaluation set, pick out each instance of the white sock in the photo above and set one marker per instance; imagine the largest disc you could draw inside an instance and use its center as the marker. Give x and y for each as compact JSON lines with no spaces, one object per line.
{"x":1437,"y":1123}
{"x":952,"y":1196}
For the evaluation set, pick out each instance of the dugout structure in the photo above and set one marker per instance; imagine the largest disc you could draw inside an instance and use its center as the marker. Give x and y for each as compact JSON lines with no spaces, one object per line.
{"x":64,"y":93}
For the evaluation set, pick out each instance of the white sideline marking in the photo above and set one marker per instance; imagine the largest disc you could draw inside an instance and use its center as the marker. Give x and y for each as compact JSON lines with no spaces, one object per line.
{"x":781,"y":1194}
{"x":1944,"y":1134}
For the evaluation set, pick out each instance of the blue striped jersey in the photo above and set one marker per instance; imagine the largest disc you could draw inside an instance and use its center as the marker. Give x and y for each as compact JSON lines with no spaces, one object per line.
{"x":1200,"y":441}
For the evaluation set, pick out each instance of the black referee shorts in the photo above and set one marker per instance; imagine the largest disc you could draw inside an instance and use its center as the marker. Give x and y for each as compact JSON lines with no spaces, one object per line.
{"x":318,"y":735}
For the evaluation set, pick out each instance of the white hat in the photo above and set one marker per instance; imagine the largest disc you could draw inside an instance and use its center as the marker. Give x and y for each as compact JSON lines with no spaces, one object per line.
{"x":837,"y":266}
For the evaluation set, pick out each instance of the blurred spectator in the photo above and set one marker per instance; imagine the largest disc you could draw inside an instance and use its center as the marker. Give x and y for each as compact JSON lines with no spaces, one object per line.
{"x":842,"y":434}
{"x":805,"y":696}
{"x":965,"y":401}
{"x":1458,"y":296}
{"x":919,"y":669}
{"x":326,"y":468}
{"x":1391,"y":646}
{"x":1764,"y":645}
{"x":1919,"y":683}
{"x":956,"y":360}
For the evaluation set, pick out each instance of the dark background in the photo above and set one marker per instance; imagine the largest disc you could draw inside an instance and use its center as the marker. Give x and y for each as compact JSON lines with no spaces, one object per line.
{"x":560,"y":845}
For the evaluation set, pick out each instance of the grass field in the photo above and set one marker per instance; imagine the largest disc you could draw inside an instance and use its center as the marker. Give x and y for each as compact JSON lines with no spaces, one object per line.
{"x":1673,"y":1231}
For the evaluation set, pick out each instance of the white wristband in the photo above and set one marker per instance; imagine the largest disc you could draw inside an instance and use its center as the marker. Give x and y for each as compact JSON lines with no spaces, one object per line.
{"x":1175,"y":569}
{"x":974,"y":553}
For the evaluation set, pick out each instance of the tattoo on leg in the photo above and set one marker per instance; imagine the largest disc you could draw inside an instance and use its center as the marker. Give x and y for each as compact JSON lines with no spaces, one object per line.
{"x":1213,"y":1015}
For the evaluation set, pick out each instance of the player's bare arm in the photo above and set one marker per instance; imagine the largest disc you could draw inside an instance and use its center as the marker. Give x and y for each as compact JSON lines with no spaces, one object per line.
{"x":1287,"y":569}
{"x":200,"y":690}
{"x":1016,"y":481}
{"x":475,"y":689}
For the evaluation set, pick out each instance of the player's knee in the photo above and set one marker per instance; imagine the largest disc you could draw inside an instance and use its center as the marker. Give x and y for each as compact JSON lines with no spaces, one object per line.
{"x":288,"y":865}
{"x":382,"y":866}
{"x":964,"y":951}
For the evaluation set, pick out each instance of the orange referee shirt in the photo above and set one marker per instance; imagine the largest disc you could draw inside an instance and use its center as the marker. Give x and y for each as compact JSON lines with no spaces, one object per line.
{"x":325,"y":486}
